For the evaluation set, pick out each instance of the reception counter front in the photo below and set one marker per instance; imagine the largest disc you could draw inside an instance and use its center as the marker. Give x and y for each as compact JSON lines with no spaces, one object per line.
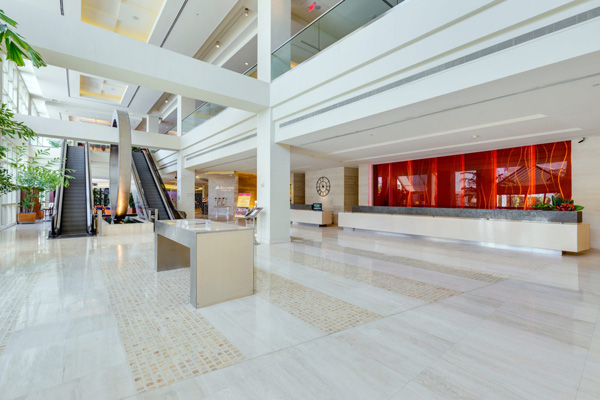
{"x":304,"y":214}
{"x":548,"y":230}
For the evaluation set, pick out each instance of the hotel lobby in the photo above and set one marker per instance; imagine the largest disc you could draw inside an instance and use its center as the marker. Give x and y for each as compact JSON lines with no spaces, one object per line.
{"x":265,"y":200}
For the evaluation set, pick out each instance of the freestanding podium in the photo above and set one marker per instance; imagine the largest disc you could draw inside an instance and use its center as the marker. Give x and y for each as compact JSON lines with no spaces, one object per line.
{"x":220,"y":257}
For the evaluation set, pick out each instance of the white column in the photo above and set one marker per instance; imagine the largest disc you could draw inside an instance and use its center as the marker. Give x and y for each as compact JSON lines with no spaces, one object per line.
{"x":185,"y":106}
{"x":152,"y":124}
{"x":273,"y":192}
{"x":273,"y":160}
{"x":274,"y":28}
{"x":186,"y":185}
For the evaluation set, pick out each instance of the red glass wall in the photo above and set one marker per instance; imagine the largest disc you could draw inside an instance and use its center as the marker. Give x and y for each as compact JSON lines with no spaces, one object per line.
{"x":509,"y":178}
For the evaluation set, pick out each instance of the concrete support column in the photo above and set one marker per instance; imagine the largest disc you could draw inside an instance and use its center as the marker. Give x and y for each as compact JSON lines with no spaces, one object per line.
{"x":152,"y":124}
{"x":186,"y":185}
{"x":273,"y":191}
{"x":274,"y":28}
{"x":185,"y":107}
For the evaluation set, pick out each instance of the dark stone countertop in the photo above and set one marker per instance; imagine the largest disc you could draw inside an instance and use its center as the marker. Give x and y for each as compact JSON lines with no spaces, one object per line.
{"x":513,"y":215}
{"x":301,"y":206}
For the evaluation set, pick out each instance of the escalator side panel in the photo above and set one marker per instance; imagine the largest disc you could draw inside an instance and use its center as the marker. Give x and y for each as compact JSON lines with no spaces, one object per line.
{"x":151,"y":191}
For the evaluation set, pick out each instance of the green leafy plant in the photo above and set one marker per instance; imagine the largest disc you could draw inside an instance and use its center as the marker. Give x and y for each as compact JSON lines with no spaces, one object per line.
{"x":36,"y":175}
{"x":17,"y":50}
{"x":14,"y":45}
{"x":558,"y":203}
{"x":54,"y":143}
{"x":543,"y":206}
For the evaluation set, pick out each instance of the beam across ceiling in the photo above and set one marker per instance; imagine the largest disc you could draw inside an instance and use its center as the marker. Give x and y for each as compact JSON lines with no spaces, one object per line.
{"x":75,"y":45}
{"x":95,"y":133}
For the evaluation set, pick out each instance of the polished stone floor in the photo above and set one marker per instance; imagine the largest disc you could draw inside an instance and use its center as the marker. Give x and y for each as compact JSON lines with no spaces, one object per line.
{"x":335,"y":315}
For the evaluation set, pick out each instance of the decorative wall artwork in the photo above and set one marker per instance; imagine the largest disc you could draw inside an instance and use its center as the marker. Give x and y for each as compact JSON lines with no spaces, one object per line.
{"x":514,"y":178}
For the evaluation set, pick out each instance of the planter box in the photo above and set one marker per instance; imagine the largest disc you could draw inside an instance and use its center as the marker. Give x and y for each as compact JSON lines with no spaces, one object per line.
{"x":27,"y":218}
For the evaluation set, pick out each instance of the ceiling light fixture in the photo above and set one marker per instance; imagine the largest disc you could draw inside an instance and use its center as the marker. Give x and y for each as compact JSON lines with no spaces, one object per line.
{"x":246,"y":12}
{"x":245,"y":63}
{"x":166,"y":101}
{"x":218,"y":45}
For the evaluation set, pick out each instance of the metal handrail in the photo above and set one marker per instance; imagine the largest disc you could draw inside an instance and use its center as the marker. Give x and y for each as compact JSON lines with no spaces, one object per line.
{"x":162,"y":190}
{"x":89,"y":198}
{"x":138,"y":184}
{"x":57,"y":213}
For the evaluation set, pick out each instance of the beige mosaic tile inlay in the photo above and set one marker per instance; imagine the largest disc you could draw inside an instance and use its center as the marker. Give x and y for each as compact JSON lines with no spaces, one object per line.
{"x":412,"y":262}
{"x":313,"y":307}
{"x":165,"y":339}
{"x":14,"y":291}
{"x":426,"y":292}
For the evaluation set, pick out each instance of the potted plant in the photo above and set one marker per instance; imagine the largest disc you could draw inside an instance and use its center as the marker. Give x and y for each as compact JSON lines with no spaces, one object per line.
{"x":36,"y":176}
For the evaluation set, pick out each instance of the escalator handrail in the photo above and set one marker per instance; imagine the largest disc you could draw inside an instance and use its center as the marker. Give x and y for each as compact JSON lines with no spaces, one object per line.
{"x":89,"y":198}
{"x":162,"y":190}
{"x":57,"y":214}
{"x":140,"y":188}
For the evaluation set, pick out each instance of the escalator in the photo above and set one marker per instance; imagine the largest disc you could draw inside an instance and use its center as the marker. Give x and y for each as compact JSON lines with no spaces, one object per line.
{"x":73,"y":204}
{"x":151,"y":191}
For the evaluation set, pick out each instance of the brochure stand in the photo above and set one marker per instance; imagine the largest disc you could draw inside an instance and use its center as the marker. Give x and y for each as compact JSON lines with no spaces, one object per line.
{"x":252,"y":214}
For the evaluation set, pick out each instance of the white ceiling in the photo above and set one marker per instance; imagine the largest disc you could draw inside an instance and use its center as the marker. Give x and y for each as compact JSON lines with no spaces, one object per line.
{"x":550,"y":104}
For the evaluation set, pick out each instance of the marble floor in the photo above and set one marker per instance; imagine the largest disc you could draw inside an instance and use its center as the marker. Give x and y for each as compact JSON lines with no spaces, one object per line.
{"x":335,"y":315}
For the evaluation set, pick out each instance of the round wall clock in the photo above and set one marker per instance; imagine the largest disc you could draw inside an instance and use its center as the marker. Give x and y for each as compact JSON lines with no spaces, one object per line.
{"x":323,"y":186}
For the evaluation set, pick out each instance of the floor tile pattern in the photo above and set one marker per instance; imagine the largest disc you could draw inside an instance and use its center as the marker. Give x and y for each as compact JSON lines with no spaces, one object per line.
{"x":165,"y":339}
{"x":411,"y":262}
{"x":14,"y":291}
{"x":318,"y":309}
{"x":426,"y":292}
{"x":92,"y":314}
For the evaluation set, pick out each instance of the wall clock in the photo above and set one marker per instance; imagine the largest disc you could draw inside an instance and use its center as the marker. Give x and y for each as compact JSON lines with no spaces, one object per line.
{"x":323,"y":186}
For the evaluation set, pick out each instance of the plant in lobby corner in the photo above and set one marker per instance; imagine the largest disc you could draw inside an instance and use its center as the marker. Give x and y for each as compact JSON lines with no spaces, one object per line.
{"x":35,"y":177}
{"x":16,"y":50}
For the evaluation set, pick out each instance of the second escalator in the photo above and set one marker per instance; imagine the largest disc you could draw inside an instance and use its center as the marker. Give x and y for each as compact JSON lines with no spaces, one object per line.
{"x":152,"y":185}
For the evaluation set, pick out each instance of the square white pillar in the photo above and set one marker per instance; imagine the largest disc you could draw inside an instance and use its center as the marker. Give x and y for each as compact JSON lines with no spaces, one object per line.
{"x":274,"y":28}
{"x":186,"y":189}
{"x":273,"y":181}
{"x":185,"y":106}
{"x":152,"y":124}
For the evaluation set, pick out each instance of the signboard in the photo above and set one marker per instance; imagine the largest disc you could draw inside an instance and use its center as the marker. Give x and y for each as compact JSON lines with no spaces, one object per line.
{"x":243,"y":205}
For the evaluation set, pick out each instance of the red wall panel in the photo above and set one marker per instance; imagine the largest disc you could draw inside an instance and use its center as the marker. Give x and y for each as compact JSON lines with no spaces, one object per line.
{"x":509,"y":178}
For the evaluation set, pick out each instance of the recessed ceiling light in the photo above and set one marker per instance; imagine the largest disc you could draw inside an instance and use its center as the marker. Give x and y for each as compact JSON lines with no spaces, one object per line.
{"x":246,"y":12}
{"x":245,"y":63}
{"x":475,"y":136}
{"x":166,"y":101}
{"x":218,"y":45}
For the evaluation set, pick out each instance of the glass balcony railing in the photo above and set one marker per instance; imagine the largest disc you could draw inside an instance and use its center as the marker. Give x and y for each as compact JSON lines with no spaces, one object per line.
{"x":340,"y":20}
{"x":200,"y":115}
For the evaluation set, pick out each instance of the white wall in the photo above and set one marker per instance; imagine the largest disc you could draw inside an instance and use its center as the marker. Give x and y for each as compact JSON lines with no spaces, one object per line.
{"x":343,"y":193}
{"x":585,"y":160}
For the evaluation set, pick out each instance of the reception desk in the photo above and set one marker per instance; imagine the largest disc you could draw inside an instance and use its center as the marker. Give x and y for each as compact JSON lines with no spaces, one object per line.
{"x":220,"y":257}
{"x":321,"y":218}
{"x":538,"y":231}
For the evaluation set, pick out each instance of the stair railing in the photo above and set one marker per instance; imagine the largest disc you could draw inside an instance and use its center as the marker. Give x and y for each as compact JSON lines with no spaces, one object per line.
{"x":58,"y":200}
{"x":162,"y":190}
{"x":89,"y":198}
